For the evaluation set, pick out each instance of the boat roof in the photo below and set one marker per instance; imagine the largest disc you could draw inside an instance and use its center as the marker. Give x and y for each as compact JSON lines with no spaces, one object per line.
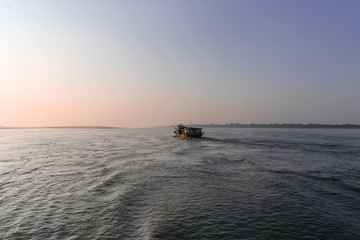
{"x":181,"y":125}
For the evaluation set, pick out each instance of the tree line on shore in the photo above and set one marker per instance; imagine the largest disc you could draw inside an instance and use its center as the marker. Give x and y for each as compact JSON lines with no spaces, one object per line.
{"x":279,"y":125}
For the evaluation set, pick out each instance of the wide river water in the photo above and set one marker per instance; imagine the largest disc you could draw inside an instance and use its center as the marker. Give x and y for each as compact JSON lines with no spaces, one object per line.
{"x":145,"y":184}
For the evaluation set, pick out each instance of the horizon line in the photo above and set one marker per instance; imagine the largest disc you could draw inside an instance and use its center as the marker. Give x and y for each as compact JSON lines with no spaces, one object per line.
{"x":195,"y":124}
{"x":94,"y":127}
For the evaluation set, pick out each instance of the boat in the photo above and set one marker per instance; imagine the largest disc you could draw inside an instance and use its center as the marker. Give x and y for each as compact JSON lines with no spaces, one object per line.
{"x":188,"y":132}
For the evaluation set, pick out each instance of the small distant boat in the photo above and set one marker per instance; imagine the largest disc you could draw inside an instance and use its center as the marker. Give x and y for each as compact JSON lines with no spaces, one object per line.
{"x":188,"y":132}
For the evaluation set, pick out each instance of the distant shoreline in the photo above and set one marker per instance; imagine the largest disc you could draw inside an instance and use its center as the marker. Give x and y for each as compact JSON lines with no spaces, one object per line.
{"x":63,"y":127}
{"x":230,"y":125}
{"x":279,"y":125}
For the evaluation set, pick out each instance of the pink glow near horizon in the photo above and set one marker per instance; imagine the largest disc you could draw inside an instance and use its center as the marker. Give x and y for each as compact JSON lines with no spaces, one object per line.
{"x":152,"y":63}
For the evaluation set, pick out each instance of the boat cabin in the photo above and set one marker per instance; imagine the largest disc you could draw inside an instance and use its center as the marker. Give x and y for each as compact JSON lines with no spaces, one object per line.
{"x":186,"y":132}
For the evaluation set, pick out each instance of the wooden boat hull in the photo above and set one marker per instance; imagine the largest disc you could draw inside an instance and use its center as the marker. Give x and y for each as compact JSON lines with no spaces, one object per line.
{"x":181,"y":135}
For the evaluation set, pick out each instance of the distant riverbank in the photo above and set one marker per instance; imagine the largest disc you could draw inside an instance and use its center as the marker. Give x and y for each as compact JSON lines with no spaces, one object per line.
{"x":279,"y":125}
{"x":64,"y":127}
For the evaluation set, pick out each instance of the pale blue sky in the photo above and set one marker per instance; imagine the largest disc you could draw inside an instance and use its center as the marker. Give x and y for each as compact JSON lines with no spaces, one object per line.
{"x":145,"y":63}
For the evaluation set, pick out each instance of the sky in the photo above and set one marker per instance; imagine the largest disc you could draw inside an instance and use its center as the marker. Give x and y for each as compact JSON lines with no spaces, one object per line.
{"x":133,"y":63}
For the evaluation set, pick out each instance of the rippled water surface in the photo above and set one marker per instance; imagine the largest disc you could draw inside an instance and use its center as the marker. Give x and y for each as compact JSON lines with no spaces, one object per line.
{"x":146,"y":184}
